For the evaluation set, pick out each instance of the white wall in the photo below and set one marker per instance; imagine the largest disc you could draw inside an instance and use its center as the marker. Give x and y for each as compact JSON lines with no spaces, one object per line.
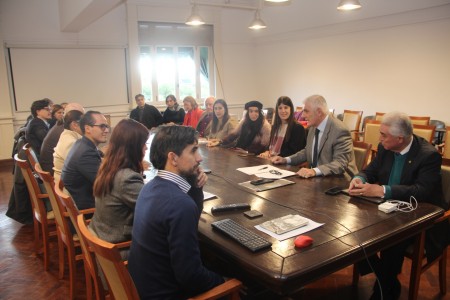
{"x":405,"y":68}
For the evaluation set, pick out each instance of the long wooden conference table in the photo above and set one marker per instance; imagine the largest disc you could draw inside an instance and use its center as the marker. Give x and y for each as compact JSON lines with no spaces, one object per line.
{"x":350,"y":224}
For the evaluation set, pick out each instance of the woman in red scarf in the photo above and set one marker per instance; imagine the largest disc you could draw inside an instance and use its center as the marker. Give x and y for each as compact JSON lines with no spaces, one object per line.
{"x":193,"y":112}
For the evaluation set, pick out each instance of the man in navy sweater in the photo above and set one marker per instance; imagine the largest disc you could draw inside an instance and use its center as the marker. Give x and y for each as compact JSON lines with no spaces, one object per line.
{"x":164,"y":259}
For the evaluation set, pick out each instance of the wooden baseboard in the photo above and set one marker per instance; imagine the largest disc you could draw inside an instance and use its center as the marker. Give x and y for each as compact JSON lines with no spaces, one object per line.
{"x":6,"y":163}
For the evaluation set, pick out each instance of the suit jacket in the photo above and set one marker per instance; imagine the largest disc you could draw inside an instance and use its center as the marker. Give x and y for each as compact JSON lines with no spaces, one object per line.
{"x":36,"y":131}
{"x":151,"y":117}
{"x":114,"y":212}
{"x":79,"y":172}
{"x":48,"y":147}
{"x":421,"y":178}
{"x":336,"y":154}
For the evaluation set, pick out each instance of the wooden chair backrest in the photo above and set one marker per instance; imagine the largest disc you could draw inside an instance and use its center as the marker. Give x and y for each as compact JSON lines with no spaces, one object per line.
{"x":420,"y":120}
{"x":362,"y":154}
{"x":73,"y":212}
{"x":372,"y":133}
{"x":446,"y":152}
{"x":31,"y":155}
{"x":120,"y":283}
{"x":34,"y":190}
{"x":352,"y":118}
{"x":58,"y":208}
{"x":379,"y":116}
{"x":299,"y":108}
{"x":425,"y":131}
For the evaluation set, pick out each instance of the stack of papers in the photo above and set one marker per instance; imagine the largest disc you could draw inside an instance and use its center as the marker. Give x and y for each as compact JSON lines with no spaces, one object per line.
{"x":267,"y":171}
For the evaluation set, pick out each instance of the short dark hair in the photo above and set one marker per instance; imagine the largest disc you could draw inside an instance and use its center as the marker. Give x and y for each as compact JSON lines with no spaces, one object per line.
{"x":170,"y":139}
{"x":88,"y":119}
{"x":138,"y":95}
{"x":38,"y":105}
{"x":72,"y":116}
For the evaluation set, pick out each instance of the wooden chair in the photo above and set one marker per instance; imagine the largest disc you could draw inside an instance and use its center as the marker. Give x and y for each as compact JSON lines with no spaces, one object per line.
{"x":425,"y":131}
{"x":90,"y":265}
{"x":417,"y":252}
{"x":379,"y":116}
{"x":372,"y":134}
{"x":31,"y":155}
{"x":352,"y":119}
{"x":420,"y":120}
{"x":362,"y":154}
{"x":119,"y":280}
{"x":65,"y":237}
{"x":43,"y":221}
{"x":446,"y":151}
{"x":299,"y":108}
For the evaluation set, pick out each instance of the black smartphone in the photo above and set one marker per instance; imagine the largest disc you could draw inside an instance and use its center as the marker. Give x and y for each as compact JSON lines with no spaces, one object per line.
{"x":334,"y":190}
{"x":251,"y":214}
{"x":261,"y":181}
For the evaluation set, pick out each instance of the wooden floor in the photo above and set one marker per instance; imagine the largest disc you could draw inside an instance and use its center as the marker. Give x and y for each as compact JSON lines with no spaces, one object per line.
{"x":22,"y":275}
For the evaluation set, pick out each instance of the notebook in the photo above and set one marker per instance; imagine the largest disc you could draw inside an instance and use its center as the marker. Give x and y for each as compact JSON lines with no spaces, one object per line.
{"x":376,"y":200}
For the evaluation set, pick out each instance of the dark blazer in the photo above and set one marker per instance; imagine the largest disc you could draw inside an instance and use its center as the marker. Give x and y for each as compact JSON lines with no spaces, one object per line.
{"x":175,"y":116}
{"x":296,"y":142}
{"x":36,"y":131}
{"x":79,"y":172}
{"x":421,"y":178}
{"x":48,"y":147}
{"x":151,"y":117}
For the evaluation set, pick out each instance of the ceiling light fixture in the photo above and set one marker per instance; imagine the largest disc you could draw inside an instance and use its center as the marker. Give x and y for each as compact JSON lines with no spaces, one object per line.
{"x":348,"y":5}
{"x":195,"y":19}
{"x":257,"y":23}
{"x":278,"y":1}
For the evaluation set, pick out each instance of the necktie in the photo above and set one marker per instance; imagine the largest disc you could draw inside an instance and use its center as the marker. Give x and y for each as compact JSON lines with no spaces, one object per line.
{"x":316,"y":146}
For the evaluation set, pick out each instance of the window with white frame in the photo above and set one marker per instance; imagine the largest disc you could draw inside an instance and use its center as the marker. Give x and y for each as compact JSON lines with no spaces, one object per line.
{"x":176,"y":59}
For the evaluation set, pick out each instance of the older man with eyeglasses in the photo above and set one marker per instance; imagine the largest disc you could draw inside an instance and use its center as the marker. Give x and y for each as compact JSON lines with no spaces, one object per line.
{"x":83,"y":160}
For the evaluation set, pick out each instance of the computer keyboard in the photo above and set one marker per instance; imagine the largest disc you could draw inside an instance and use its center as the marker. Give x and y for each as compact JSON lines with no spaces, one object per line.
{"x":242,"y":235}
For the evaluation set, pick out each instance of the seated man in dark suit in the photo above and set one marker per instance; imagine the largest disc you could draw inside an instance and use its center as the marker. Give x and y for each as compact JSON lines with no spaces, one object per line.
{"x":38,"y":127}
{"x":164,"y":259}
{"x":329,"y":145}
{"x":146,"y":114}
{"x":82,"y":162}
{"x":405,"y":166}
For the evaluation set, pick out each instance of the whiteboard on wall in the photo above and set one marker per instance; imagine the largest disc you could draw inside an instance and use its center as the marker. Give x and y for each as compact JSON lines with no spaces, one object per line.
{"x":90,"y":76}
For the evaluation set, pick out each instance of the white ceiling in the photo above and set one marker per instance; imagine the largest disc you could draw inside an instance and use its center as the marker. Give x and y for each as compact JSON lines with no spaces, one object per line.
{"x":304,"y":15}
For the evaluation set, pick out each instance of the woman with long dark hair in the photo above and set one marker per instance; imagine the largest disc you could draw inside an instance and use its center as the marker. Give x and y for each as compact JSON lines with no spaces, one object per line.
{"x":221,"y":124}
{"x":119,"y":181}
{"x":287,"y":135}
{"x":253,"y":132}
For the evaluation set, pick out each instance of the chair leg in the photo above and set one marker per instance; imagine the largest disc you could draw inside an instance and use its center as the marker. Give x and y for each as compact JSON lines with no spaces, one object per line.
{"x":45,"y":237}
{"x":443,"y":273}
{"x":88,"y":276}
{"x":36,"y":235}
{"x":72,"y":270}
{"x":61,"y":256}
{"x":416,"y":266}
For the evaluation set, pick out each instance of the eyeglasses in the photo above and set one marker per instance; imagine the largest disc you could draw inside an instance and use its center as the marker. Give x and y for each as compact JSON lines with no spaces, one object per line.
{"x":275,"y":172}
{"x":103,"y":127}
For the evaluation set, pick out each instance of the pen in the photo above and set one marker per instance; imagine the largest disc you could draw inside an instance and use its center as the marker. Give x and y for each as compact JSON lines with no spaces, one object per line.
{"x":262,"y":168}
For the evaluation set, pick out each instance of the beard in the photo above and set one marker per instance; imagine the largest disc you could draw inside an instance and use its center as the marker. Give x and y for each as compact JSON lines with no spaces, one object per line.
{"x":191,"y":176}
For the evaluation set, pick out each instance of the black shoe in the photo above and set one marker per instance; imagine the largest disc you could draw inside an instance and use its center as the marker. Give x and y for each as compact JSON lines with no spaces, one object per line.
{"x":391,"y":294}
